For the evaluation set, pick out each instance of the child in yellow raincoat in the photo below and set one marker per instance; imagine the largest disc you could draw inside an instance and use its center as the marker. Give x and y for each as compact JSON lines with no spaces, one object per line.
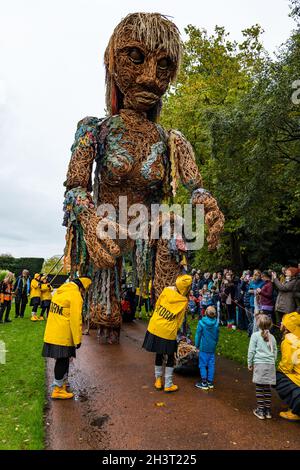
{"x":288,"y":374}
{"x":35,"y":295}
{"x":162,"y":330}
{"x":63,"y":331}
{"x":46,"y":296}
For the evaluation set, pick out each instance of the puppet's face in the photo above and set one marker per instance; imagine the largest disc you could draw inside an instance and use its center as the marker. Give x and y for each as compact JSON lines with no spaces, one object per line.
{"x":142,"y":76}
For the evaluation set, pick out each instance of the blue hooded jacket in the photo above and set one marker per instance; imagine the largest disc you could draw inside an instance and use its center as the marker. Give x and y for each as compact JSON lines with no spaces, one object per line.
{"x":207,"y":335}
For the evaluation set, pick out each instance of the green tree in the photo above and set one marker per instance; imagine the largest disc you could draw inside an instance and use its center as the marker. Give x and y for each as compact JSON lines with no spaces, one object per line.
{"x":49,"y":263}
{"x":234,"y":104}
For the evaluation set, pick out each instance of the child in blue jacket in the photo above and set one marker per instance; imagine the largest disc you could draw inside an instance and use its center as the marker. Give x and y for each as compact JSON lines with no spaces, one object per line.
{"x":206,"y":340}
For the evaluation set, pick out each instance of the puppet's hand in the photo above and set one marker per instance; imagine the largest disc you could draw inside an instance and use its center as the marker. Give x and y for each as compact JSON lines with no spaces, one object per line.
{"x":101,"y":246}
{"x":214,"y":218}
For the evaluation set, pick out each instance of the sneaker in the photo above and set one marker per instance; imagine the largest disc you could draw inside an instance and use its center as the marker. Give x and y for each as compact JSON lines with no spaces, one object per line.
{"x":202,"y":385}
{"x":259,"y":413}
{"x":268,"y":414}
{"x":210,"y":385}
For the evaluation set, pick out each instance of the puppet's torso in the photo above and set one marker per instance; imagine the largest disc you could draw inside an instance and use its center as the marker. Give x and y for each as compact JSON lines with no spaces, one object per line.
{"x":134,"y":162}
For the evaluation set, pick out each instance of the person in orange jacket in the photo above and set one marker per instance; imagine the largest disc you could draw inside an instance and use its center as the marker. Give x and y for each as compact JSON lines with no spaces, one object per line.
{"x":6,"y":294}
{"x":63,"y":331}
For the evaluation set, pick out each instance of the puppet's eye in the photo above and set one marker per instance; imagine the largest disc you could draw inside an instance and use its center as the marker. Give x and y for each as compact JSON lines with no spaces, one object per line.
{"x":136,"y":56}
{"x":164,"y":63}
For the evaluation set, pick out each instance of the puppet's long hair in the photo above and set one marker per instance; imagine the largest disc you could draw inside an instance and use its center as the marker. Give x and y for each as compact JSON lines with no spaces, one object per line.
{"x":156,"y":31}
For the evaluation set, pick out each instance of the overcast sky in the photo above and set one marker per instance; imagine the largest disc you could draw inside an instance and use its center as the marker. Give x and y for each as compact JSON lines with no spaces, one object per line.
{"x":52,"y":75}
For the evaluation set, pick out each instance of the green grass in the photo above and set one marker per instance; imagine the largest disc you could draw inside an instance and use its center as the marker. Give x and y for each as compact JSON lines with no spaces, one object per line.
{"x":22,"y":385}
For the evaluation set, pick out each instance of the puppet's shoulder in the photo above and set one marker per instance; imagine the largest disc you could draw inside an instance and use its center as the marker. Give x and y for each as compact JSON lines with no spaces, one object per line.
{"x":89,"y":132}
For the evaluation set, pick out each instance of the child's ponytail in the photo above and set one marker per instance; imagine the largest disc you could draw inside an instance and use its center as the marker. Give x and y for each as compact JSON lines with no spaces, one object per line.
{"x":264,"y":323}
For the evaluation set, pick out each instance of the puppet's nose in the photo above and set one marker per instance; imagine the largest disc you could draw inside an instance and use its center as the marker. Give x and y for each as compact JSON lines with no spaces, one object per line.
{"x":148,"y":76}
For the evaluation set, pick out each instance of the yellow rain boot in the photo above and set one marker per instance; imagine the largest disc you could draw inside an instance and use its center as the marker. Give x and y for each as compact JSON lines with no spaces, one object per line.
{"x":289,"y":415}
{"x":158,"y":383}
{"x":60,"y":393}
{"x":172,"y":388}
{"x":158,"y":372}
{"x":41,"y":318}
{"x":169,"y":386}
{"x":34,"y":318}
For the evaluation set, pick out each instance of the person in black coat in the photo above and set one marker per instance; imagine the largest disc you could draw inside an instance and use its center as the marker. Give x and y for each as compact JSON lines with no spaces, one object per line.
{"x":22,"y":290}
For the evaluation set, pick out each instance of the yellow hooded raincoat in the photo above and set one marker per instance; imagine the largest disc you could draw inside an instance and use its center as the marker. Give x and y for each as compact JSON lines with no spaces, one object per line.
{"x":170,"y":309}
{"x":46,"y":290}
{"x":35,"y":287}
{"x":64,"y":324}
{"x":290,"y":348}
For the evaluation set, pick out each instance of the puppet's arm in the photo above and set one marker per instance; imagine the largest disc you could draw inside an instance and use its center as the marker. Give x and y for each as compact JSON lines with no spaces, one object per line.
{"x":183,"y":161}
{"x":79,"y":207}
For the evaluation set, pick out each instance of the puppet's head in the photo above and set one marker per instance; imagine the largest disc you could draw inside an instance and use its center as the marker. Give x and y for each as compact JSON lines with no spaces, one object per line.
{"x":142,"y":58}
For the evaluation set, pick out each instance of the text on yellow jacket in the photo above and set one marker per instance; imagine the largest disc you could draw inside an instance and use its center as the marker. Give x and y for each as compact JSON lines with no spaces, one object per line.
{"x":64,"y":324}
{"x":170,"y":309}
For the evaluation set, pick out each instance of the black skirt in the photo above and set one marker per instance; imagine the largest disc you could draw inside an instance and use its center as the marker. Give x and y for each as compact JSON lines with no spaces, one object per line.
{"x":289,"y":392}
{"x":153,"y":343}
{"x":57,"y":352}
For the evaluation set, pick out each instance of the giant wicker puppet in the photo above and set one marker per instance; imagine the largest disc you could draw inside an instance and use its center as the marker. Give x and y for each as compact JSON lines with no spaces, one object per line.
{"x":134,"y":157}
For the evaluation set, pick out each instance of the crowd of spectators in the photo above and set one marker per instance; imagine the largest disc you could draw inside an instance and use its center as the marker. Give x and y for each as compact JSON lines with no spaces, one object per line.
{"x":238,"y":299}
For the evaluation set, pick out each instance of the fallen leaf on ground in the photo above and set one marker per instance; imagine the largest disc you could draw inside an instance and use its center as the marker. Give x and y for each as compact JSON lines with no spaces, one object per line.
{"x":160,"y":403}
{"x":205,"y":434}
{"x":145,"y":386}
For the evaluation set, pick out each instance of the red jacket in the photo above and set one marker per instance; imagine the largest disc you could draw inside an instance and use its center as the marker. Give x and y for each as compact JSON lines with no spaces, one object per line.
{"x":266,"y":295}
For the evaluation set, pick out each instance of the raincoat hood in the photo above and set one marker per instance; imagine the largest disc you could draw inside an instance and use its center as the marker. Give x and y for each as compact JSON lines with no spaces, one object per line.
{"x":68,"y":288}
{"x":291,"y":321}
{"x":85,"y":281}
{"x":37,"y":276}
{"x":183,"y":284}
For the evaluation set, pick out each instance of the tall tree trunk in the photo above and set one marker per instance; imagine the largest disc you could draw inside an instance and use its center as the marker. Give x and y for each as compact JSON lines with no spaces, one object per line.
{"x":236,"y":257}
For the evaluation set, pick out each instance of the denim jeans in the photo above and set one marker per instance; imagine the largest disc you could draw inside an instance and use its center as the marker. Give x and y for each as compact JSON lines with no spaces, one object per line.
{"x":207,"y":366}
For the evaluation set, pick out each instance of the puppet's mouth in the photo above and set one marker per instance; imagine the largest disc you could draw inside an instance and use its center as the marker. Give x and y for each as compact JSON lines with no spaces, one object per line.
{"x":146,"y":97}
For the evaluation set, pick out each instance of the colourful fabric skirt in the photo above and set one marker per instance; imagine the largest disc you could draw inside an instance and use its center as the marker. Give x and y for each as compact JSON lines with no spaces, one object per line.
{"x":153,"y":343}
